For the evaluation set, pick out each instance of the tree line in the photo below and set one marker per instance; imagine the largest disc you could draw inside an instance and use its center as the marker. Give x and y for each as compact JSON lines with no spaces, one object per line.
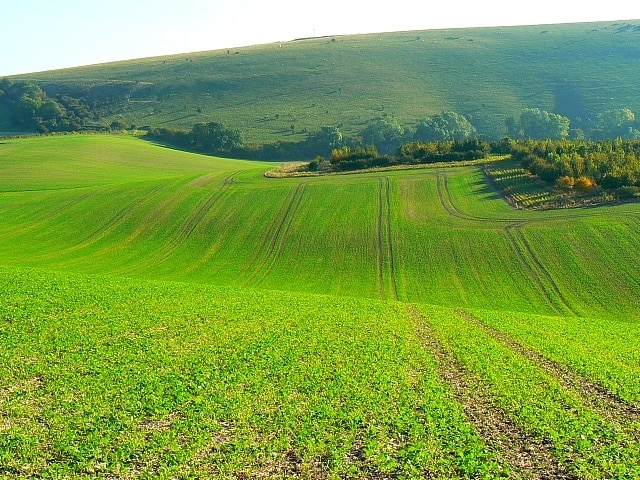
{"x":540,"y":124}
{"x":386,"y":135}
{"x":31,"y":109}
{"x":585,"y":165}
{"x":414,"y":153}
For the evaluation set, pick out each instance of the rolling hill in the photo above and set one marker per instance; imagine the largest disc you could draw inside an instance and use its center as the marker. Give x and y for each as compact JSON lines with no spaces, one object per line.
{"x":165,"y":314}
{"x":170,"y":315}
{"x":282,"y":91}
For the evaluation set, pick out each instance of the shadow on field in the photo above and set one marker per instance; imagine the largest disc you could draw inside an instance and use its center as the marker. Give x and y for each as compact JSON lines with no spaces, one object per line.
{"x":487,"y":192}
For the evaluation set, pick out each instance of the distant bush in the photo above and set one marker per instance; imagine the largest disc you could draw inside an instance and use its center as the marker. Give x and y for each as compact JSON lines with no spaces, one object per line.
{"x":443,"y":151}
{"x":210,"y":138}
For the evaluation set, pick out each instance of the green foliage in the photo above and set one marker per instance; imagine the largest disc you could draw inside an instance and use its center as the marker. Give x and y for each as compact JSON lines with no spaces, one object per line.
{"x":385,"y":134}
{"x":114,"y":377}
{"x":443,"y":151}
{"x":209,"y":138}
{"x":213,"y":137}
{"x":347,"y":154}
{"x":618,"y":123}
{"x":446,"y":126}
{"x":349,"y":82}
{"x":537,"y":401}
{"x":33,"y":110}
{"x":326,"y":139}
{"x":539,"y":124}
{"x":610,"y":164}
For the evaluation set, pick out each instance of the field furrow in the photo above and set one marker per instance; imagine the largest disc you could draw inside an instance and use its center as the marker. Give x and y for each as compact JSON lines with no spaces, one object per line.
{"x":592,"y":394}
{"x":182,"y":228}
{"x":604,"y":351}
{"x":197,"y":216}
{"x":584,"y":442}
{"x":277,"y":236}
{"x":531,"y":457}
{"x":538,"y":273}
{"x":49,"y":209}
{"x":386,"y":261}
{"x":445,"y":198}
{"x":119,"y":217}
{"x":131,"y":347}
{"x":542,"y":270}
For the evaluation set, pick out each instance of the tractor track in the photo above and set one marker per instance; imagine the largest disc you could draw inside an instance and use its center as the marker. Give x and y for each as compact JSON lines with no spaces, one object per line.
{"x":592,"y":394}
{"x":194,"y":219}
{"x":531,"y":457}
{"x":519,"y":243}
{"x":200,"y":213}
{"x":385,"y":240}
{"x":35,"y":222}
{"x":544,"y":274}
{"x":447,"y":202}
{"x":118,"y":217}
{"x":277,"y":235}
{"x":545,"y":283}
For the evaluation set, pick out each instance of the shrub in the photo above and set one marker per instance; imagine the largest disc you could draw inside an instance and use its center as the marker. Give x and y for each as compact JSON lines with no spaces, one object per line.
{"x":585,"y":184}
{"x":565,"y":183}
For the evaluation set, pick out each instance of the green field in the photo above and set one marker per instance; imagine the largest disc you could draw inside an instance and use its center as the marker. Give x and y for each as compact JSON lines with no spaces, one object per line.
{"x":165,"y":314}
{"x":486,"y":74}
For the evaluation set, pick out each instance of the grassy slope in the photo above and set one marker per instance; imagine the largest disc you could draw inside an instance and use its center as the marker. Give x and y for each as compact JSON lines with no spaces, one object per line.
{"x":103,"y":375}
{"x":577,"y":70}
{"x":185,"y":217}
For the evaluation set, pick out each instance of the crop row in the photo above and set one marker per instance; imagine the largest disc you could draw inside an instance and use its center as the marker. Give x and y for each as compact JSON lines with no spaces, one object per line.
{"x":564,"y":433}
{"x":100,"y":376}
{"x":106,"y":376}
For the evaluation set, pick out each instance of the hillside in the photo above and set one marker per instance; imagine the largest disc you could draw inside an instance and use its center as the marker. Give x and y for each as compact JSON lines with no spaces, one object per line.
{"x":282,"y":91}
{"x":171,"y":315}
{"x":120,"y":206}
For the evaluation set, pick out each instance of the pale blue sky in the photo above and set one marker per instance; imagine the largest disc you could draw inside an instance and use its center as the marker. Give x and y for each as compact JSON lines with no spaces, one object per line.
{"x":39,"y":35}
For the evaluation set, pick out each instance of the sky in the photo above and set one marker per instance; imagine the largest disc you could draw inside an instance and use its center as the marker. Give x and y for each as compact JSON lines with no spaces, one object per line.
{"x":40,"y":35}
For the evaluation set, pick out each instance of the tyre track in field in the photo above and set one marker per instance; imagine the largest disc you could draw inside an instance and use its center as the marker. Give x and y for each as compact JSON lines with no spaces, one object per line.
{"x":447,"y":202}
{"x":519,"y":238}
{"x":385,"y":239}
{"x":35,"y":222}
{"x":444,"y":195}
{"x":193,"y":221}
{"x":531,"y":457}
{"x":196,"y":217}
{"x":116,"y":219}
{"x":538,"y":273}
{"x":277,"y":236}
{"x":594,"y":395}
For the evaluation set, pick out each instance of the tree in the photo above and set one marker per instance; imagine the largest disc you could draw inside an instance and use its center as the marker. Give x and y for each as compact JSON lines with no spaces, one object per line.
{"x":444,"y":127}
{"x":214,"y":137}
{"x":540,"y":124}
{"x":617,"y":123}
{"x":386,"y":135}
{"x":118,"y":125}
{"x":50,"y":110}
{"x":24,"y":112}
{"x":325,"y":140}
